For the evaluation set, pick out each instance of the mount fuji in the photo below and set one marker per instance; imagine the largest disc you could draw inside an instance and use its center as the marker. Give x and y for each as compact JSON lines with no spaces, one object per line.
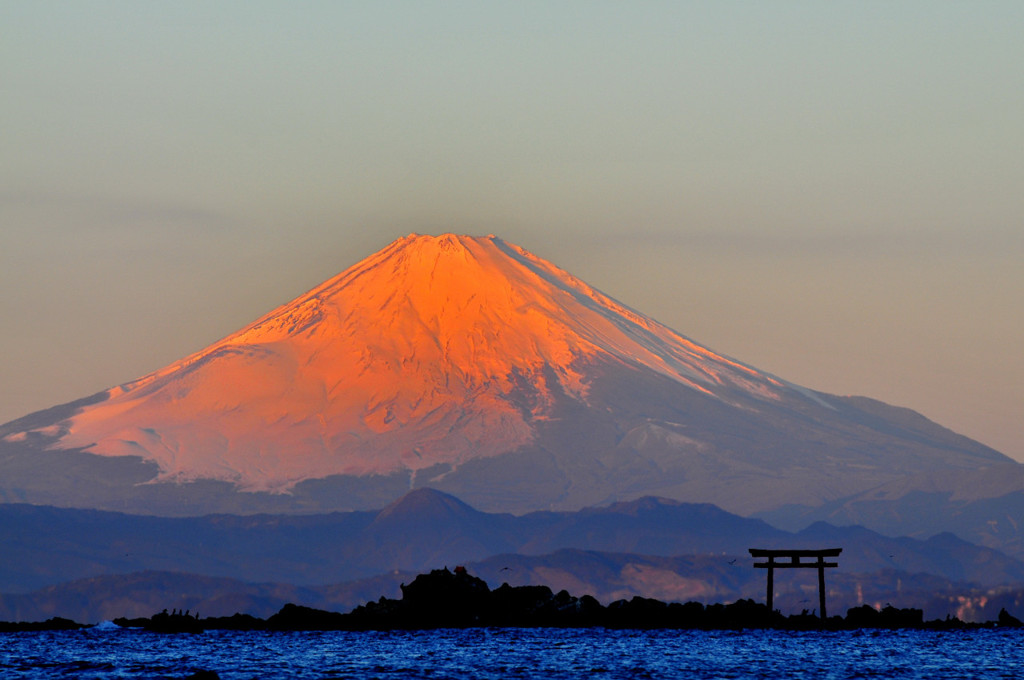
{"x":469,"y":365}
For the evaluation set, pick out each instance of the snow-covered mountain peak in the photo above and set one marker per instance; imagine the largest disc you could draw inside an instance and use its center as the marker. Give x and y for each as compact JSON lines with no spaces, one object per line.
{"x":432,"y":352}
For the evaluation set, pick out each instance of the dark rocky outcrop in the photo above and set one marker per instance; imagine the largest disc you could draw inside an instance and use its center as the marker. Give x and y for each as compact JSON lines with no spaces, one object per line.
{"x":456,"y":599}
{"x":1007,"y":620}
{"x":175,"y":622}
{"x":887,"y":617}
{"x":295,"y":617}
{"x":204,"y":675}
{"x":56,"y":623}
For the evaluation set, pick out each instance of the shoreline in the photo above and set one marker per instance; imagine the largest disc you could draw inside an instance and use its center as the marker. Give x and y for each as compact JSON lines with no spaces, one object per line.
{"x":445,"y":599}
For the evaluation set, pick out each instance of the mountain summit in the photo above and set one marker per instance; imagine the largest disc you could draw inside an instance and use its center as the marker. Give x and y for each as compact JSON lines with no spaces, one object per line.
{"x":471,"y":365}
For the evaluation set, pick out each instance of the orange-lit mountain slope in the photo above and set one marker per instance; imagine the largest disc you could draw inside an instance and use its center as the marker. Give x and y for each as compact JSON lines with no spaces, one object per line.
{"x":404,"y":361}
{"x":432,"y":360}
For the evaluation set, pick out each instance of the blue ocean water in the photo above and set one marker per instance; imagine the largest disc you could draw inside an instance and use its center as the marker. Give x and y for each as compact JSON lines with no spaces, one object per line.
{"x":108,"y":652}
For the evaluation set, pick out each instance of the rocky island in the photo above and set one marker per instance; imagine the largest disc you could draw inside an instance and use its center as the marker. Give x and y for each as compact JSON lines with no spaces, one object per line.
{"x":456,"y":599}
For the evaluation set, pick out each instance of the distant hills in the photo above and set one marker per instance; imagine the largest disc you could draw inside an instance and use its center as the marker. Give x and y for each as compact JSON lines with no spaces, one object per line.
{"x":94,"y":565}
{"x":984,"y":506}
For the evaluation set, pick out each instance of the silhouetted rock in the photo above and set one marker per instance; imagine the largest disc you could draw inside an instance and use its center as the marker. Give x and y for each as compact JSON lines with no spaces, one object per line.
{"x":742,"y":614}
{"x":175,"y":622}
{"x":1007,"y":620}
{"x":234,"y":622}
{"x":204,"y":675}
{"x":890,"y":617}
{"x":442,"y":599}
{"x":55,"y":623}
{"x":518,"y":607}
{"x":639,"y":612}
{"x":447,"y":599}
{"x":295,"y":617}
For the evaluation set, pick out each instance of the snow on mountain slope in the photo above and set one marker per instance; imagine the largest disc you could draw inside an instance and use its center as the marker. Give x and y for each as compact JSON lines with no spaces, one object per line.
{"x":406,"y":360}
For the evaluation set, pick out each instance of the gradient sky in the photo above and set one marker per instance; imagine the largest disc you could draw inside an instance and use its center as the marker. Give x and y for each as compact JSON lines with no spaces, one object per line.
{"x":831,"y":192}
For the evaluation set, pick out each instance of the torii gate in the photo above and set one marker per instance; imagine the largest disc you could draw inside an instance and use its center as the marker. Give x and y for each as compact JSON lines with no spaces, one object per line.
{"x":794,"y":555}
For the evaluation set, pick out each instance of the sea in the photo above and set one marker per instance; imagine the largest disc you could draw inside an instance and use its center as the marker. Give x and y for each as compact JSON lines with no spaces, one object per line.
{"x":106,"y":651}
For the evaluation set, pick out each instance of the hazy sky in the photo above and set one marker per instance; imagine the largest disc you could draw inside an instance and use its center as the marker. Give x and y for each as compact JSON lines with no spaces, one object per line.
{"x":832,"y":192}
